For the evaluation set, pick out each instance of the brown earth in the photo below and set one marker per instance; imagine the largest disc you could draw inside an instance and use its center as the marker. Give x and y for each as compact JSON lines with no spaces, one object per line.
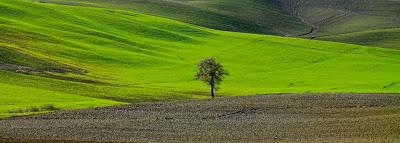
{"x":261,"y":118}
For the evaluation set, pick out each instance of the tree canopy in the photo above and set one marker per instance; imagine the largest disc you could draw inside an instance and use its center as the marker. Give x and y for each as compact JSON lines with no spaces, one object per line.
{"x":211,"y":72}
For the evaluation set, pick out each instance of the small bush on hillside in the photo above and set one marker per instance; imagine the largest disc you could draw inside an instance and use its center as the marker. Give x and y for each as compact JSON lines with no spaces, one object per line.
{"x":33,"y":109}
{"x":16,"y":111}
{"x":23,"y":70}
{"x":49,"y":107}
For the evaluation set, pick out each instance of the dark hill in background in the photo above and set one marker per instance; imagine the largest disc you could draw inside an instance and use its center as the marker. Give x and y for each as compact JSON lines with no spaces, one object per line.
{"x":365,"y":22}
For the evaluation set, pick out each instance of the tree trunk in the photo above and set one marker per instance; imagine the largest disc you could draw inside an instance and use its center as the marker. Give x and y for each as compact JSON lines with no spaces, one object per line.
{"x":212,"y":91}
{"x":212,"y":85}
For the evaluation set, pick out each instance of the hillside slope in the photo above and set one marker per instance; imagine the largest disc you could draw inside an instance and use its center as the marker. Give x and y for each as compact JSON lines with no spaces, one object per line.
{"x":254,"y":16}
{"x":108,"y":55}
{"x":366,"y":22}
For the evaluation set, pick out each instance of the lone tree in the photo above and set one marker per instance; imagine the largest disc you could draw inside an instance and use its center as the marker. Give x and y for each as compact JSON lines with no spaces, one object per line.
{"x":211,"y":72}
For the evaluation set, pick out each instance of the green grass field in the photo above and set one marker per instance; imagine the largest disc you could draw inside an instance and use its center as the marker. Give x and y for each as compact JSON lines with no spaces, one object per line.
{"x":23,"y":98}
{"x":132,"y":57}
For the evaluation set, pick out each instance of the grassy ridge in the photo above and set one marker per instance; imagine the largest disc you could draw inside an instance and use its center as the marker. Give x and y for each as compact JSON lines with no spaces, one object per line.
{"x":379,"y":38}
{"x":131,"y":57}
{"x":361,"y":21}
{"x":255,"y":16}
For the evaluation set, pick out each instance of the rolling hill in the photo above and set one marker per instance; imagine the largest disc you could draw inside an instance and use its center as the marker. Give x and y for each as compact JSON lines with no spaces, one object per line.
{"x":87,"y":56}
{"x":365,"y":22}
{"x":254,"y":16}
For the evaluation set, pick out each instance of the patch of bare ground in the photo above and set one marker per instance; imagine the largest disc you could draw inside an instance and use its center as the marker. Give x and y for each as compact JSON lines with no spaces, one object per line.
{"x":261,"y":118}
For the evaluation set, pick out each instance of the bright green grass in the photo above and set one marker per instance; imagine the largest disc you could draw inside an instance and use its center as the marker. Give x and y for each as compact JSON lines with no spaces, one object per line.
{"x":142,"y":58}
{"x":18,"y":97}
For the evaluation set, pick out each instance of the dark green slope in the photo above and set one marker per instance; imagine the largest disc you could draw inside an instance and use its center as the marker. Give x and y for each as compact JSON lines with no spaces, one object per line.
{"x":254,"y":16}
{"x":366,"y":22}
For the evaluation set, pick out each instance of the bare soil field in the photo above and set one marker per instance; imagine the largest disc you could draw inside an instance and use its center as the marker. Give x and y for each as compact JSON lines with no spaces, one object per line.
{"x":261,"y":118}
